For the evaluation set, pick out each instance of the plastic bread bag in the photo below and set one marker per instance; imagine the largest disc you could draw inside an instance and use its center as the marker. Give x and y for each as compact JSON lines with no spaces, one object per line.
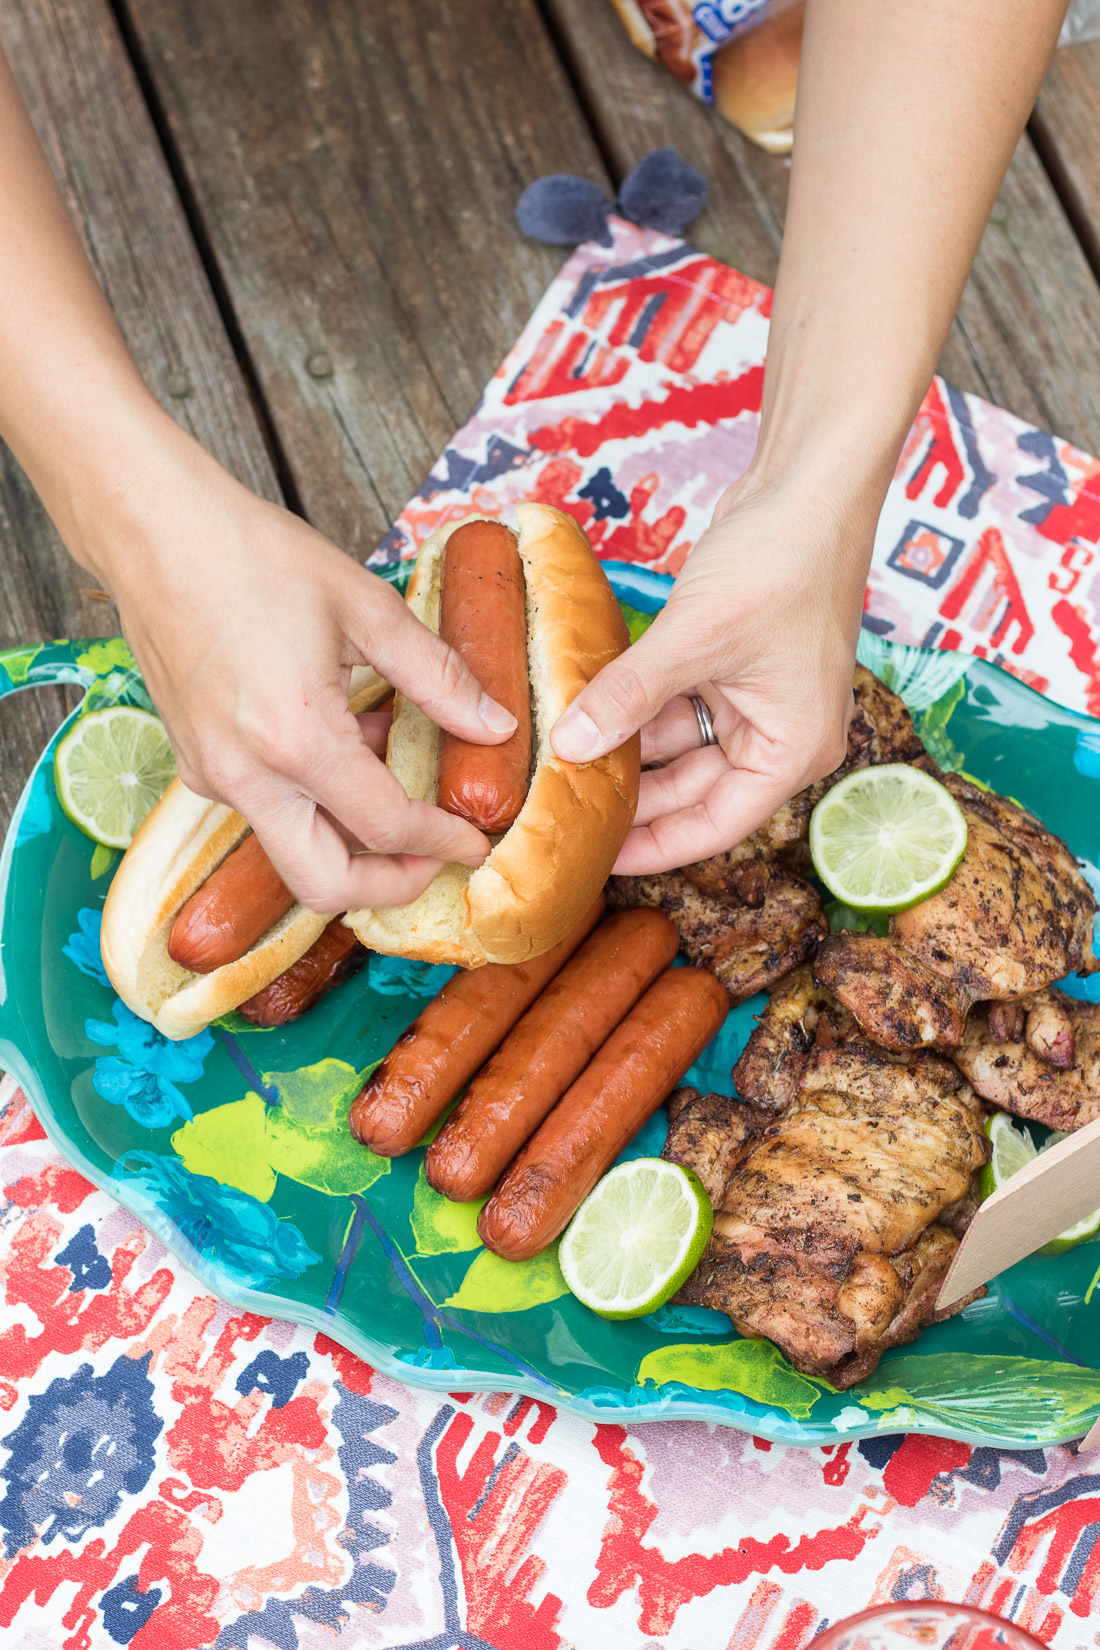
{"x":739,"y":55}
{"x":1082,"y":22}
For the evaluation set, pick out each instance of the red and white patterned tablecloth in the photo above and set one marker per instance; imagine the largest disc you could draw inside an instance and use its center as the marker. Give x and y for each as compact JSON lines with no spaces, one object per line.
{"x":175,"y":1474}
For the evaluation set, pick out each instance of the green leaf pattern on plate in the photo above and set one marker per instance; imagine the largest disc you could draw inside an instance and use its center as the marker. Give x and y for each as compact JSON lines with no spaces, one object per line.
{"x":248,"y":1142}
{"x":496,"y":1285}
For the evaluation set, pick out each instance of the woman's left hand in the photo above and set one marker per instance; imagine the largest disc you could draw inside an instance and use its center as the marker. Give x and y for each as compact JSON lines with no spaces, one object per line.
{"x":762,"y":622}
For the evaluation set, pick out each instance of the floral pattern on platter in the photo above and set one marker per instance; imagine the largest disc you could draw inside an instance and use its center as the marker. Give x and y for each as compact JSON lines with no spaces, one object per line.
{"x":217,"y":1222}
{"x":142,"y":1077}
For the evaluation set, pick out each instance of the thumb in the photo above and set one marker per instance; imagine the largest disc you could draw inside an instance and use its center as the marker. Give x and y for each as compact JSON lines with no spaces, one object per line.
{"x":624,"y":695}
{"x":430,"y":673}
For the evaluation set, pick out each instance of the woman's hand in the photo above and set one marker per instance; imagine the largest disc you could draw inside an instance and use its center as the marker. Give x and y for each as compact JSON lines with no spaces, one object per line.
{"x":246,"y":623}
{"x":762,"y":623}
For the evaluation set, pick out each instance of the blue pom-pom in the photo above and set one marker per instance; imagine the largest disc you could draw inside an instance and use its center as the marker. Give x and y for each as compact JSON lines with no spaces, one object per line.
{"x":564,"y":211}
{"x":663,"y":192}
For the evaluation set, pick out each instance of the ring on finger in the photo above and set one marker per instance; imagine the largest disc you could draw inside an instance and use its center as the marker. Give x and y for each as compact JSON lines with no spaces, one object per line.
{"x":707,"y":735}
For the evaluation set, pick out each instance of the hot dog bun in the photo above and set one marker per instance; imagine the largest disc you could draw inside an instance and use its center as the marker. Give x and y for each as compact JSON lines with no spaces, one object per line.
{"x":181,"y":841}
{"x":546,"y":870}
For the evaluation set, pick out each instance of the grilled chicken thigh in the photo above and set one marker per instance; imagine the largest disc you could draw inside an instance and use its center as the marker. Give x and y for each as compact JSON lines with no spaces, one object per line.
{"x":1016,"y":1072}
{"x":881,"y":730}
{"x":1016,"y":916}
{"x":828,"y":1238}
{"x":747,"y":947}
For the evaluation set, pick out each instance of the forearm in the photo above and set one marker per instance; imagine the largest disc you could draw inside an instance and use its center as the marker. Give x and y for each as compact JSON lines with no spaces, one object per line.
{"x":907,"y":118}
{"x":73,"y":407}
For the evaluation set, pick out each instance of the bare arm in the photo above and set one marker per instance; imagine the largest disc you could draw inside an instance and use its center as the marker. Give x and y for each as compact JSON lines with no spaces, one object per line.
{"x":245,"y":621}
{"x":907,"y":118}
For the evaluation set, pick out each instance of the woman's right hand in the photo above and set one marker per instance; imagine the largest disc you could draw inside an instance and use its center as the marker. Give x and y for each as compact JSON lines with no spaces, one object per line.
{"x":246,"y":623}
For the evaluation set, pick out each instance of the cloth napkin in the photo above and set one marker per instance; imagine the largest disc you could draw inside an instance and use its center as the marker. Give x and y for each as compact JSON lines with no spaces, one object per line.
{"x":175,"y":1474}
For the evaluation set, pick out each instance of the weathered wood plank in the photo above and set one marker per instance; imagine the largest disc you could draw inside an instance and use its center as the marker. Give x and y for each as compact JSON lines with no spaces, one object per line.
{"x":86,"y":105}
{"x":1027,"y":324}
{"x":356,"y":167}
{"x":1066,"y":128}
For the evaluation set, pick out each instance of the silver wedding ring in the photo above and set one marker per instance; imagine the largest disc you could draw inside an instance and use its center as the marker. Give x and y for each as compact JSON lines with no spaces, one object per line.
{"x":707,"y":735}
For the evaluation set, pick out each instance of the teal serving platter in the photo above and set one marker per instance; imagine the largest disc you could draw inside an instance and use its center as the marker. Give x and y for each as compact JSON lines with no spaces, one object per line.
{"x":233,"y":1149}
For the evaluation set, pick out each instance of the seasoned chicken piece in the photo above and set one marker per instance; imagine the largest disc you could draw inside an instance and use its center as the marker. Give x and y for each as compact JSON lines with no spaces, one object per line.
{"x":1016,"y":916}
{"x":747,"y":947}
{"x":1008,"y":1073}
{"x":881,"y":730}
{"x":711,"y":1134}
{"x":799,"y":1015}
{"x":827,"y":1238}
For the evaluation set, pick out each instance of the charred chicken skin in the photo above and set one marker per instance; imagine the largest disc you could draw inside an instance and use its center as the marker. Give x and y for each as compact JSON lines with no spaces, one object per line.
{"x":1016,"y":916}
{"x":748,"y":947}
{"x":840,"y":1212}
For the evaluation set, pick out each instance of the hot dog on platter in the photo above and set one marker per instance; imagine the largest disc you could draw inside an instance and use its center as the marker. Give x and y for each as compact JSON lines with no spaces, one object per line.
{"x":547,"y":1051}
{"x":449,"y":1041}
{"x":632,"y":1074}
{"x":177,"y":852}
{"x":548,"y":866}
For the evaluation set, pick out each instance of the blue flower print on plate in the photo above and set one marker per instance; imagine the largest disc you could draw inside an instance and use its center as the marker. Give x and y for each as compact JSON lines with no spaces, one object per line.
{"x":83,"y":1443}
{"x":152,"y":1101}
{"x":82,"y":948}
{"x":243,"y":1235}
{"x":140,"y":1077}
{"x":142,"y":1045}
{"x":398,"y":977}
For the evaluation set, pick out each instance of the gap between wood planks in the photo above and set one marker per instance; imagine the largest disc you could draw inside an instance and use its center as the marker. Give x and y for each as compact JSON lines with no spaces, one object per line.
{"x":194,"y":219}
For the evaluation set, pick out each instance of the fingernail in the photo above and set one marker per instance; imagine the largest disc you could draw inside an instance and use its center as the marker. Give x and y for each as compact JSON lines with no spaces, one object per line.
{"x":495,"y":717}
{"x":576,"y":737}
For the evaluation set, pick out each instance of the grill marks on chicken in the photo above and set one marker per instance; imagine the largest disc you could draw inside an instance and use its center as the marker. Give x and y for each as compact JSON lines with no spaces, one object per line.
{"x":1014,"y":1073}
{"x":800,"y":1015}
{"x":1016,"y":915}
{"x":747,"y":947}
{"x":826,"y":1238}
{"x":881,"y":730}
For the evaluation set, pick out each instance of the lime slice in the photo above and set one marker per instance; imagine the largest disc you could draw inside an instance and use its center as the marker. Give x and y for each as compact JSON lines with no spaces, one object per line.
{"x":1013,"y":1149}
{"x":884,"y":838}
{"x":636,"y":1237}
{"x":109,"y":769}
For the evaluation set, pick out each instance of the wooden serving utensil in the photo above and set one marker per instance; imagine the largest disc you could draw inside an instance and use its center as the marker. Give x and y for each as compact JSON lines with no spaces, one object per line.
{"x":1058,"y":1188}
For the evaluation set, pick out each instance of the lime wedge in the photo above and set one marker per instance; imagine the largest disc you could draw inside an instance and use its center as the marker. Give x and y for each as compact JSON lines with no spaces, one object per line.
{"x":109,"y":769}
{"x":1013,"y":1149}
{"x":636,"y":1237}
{"x":884,"y":838}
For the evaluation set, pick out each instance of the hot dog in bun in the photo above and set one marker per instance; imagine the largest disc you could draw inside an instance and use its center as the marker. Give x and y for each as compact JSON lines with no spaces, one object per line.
{"x":547,"y":867}
{"x":198,"y":922}
{"x":169,"y":868}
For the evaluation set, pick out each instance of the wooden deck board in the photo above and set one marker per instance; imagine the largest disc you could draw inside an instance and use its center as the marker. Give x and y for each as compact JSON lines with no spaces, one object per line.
{"x":357,"y":167}
{"x":79,"y":84}
{"x":1066,"y":127}
{"x":1027,"y":324}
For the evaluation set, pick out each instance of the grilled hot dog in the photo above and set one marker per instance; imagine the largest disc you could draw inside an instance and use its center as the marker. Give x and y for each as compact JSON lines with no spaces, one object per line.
{"x":636,"y":1069}
{"x":328,"y":961}
{"x":448,"y":1042}
{"x":548,"y":1049}
{"x":483,"y":616}
{"x":236,"y":904}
